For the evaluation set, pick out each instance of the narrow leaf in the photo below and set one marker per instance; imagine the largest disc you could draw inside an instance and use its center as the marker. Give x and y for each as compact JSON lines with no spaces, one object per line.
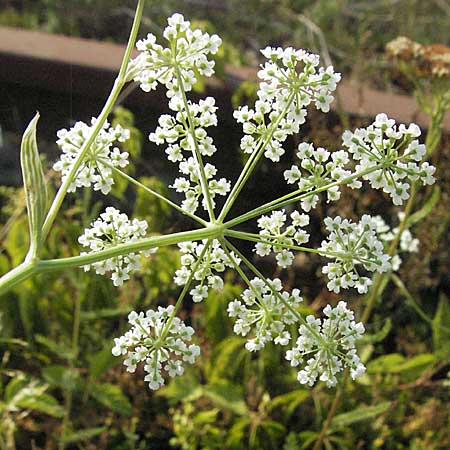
{"x":112,"y":397}
{"x":426,"y":208}
{"x":82,"y":435}
{"x":44,"y":403}
{"x":33,"y":183}
{"x":358,"y":415}
{"x":441,"y":326}
{"x":101,"y":362}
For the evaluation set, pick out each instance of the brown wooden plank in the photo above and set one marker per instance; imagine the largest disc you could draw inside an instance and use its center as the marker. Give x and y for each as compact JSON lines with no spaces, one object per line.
{"x":37,"y":58}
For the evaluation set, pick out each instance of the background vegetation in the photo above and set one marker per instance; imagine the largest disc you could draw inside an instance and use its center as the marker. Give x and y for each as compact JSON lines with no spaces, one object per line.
{"x":60,"y":387}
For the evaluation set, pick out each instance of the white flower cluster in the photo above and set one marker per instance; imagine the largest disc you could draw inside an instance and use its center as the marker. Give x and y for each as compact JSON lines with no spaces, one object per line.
{"x":111,"y":229}
{"x":187,"y":53}
{"x":213,"y":261}
{"x":264,"y":314}
{"x":328,"y":346}
{"x":351,"y":245}
{"x":95,"y":169}
{"x":396,"y":150}
{"x":160,"y":341}
{"x":290,"y":82}
{"x":173,"y":129}
{"x":319,"y":167}
{"x":175,"y":132}
{"x":407,"y":243}
{"x":277,"y":239}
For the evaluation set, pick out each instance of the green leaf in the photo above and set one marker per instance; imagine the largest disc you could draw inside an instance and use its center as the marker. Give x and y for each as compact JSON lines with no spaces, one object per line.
{"x":22,"y":393}
{"x":426,"y":208}
{"x":101,"y":362}
{"x":180,"y":389}
{"x":358,"y":415}
{"x":441,"y":326}
{"x":33,"y":183}
{"x":206,"y":417}
{"x":227,"y":357}
{"x":105,"y":313}
{"x":226,"y":395}
{"x":415,"y":366}
{"x":385,"y":363}
{"x":62,"y":377}
{"x":379,"y":335}
{"x":82,"y":435}
{"x":58,"y":349}
{"x":112,"y":397}
{"x":290,"y":401}
{"x":307,"y":437}
{"x":13,"y":387}
{"x":44,"y":403}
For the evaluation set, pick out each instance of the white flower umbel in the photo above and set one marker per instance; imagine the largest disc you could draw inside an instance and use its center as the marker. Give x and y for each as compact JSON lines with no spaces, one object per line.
{"x":214,"y":261}
{"x":277,"y":237}
{"x":158,"y":340}
{"x":352,"y":245}
{"x":326,"y":347}
{"x":95,"y":169}
{"x":290,"y":81}
{"x":263,"y":314}
{"x":111,"y":229}
{"x":396,"y":150}
{"x":187,"y":52}
{"x":319,"y":167}
{"x":407,"y":243}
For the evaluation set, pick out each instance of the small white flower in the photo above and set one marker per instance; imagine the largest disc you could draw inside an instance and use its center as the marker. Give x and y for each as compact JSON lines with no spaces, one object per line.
{"x":111,"y":229}
{"x":214,"y":261}
{"x":158,"y":343}
{"x":327,"y":346}
{"x":275,"y":238}
{"x":382,"y":143}
{"x":264,"y":311}
{"x":352,"y":245}
{"x":95,"y":169}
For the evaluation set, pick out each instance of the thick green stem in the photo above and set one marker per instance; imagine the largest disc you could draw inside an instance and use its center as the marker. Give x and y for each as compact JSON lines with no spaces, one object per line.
{"x":27,"y":269}
{"x":17,"y":275}
{"x":118,"y":85}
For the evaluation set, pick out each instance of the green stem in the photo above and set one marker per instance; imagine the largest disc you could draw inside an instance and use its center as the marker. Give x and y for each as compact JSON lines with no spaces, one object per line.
{"x":277,"y":294}
{"x":259,"y":238}
{"x":251,"y":163}
{"x":379,"y":279}
{"x":17,"y":275}
{"x":224,"y":244}
{"x":294,"y":197}
{"x":69,"y":393}
{"x":157,"y":195}
{"x":184,"y":291}
{"x":27,"y":269}
{"x":196,"y":151}
{"x":117,"y":87}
